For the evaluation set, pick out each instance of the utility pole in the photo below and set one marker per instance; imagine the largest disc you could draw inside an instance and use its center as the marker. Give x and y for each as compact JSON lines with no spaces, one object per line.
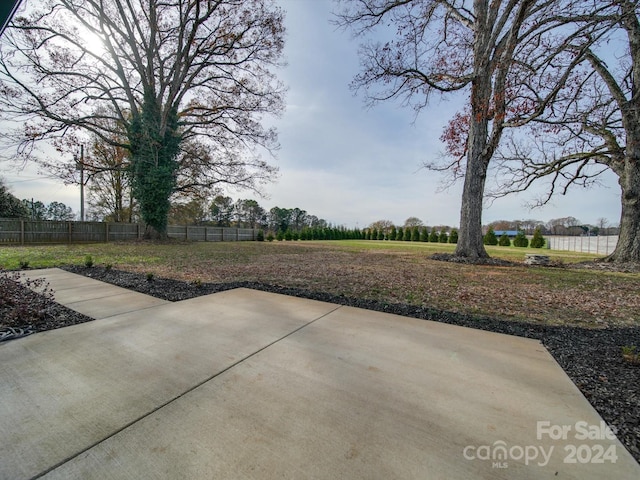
{"x":80,"y":166}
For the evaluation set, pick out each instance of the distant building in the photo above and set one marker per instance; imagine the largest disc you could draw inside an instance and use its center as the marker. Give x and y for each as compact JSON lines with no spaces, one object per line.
{"x":509,"y":233}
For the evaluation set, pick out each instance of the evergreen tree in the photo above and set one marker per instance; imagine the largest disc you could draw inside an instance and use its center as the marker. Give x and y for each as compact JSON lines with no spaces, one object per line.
{"x":433,"y":236}
{"x":453,"y":238}
{"x":392,"y":233}
{"x":400,"y":234}
{"x":444,"y":237}
{"x":538,"y":240}
{"x":504,"y":241}
{"x":10,"y":206}
{"x":415,"y":234}
{"x":521,"y":240}
{"x":490,"y":237}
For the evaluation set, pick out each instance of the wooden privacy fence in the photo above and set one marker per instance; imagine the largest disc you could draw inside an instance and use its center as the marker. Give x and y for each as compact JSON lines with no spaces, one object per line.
{"x":21,"y":232}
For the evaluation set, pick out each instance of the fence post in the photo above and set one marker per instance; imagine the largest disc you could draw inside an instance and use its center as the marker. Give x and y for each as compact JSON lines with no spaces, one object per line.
{"x":70,"y":232}
{"x":21,"y":232}
{"x":106,"y":232}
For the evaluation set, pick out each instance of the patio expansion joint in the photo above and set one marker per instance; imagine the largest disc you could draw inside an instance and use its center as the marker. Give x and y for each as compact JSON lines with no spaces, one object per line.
{"x":179,"y":396}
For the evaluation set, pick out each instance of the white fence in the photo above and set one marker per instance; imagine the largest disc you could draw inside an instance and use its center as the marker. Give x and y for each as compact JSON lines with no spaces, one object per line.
{"x":600,"y":245}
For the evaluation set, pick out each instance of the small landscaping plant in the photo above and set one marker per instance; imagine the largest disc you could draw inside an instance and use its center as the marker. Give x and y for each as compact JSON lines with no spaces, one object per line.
{"x":504,"y":241}
{"x":490,"y":238}
{"x":19,"y":306}
{"x":521,"y":240}
{"x":538,"y":240}
{"x":631,"y":355}
{"x":23,"y":264}
{"x":88,"y":261}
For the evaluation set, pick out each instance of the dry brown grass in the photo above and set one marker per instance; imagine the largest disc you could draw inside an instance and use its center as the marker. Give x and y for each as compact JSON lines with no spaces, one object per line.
{"x":385,"y":272}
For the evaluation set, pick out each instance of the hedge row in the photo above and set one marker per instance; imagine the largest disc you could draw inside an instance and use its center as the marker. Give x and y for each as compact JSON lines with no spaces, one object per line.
{"x":520,"y":239}
{"x":415,"y":234}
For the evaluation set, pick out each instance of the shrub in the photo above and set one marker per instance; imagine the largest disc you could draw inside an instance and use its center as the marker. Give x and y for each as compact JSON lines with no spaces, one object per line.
{"x":490,"y":237}
{"x":424,"y":234}
{"x":538,"y":240}
{"x":521,"y":240}
{"x":504,"y":240}
{"x":20,"y":305}
{"x":280,"y":235}
{"x":295,"y":236}
{"x":288,"y":235}
{"x":415,"y":234}
{"x":400,"y":234}
{"x":108,"y":267}
{"x":270,"y":237}
{"x":433,"y":236}
{"x":149,"y":277}
{"x":393,"y":233}
{"x":453,"y":238}
{"x":23,"y":263}
{"x":260,"y":236}
{"x":380,"y":234}
{"x":444,"y":237}
{"x":88,"y":261}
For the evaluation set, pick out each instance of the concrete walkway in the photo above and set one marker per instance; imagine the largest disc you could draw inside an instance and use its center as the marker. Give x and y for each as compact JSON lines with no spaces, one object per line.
{"x":248,"y":384}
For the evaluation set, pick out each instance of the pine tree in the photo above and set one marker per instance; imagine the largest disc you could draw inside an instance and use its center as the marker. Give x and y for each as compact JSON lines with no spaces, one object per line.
{"x":490,"y":237}
{"x":521,"y":240}
{"x":504,"y":241}
{"x":538,"y":240}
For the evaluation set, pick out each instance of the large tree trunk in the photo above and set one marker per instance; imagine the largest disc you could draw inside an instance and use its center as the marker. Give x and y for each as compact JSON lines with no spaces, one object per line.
{"x":470,"y":242}
{"x":628,"y":247}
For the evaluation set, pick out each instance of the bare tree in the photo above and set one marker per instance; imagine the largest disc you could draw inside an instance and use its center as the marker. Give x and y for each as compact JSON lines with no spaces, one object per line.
{"x":413,"y":222}
{"x":169,"y":72}
{"x":595,"y":123}
{"x":447,"y":46}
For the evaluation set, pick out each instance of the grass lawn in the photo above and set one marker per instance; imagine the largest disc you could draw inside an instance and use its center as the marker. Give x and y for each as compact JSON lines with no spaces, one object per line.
{"x":393,"y":272}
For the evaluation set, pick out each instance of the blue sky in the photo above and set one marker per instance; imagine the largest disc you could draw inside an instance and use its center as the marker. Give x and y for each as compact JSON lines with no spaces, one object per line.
{"x":352,"y":165}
